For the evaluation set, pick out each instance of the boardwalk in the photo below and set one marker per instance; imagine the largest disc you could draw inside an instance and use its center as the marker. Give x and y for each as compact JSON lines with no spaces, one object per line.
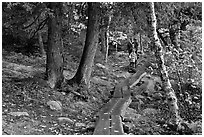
{"x":111,"y":115}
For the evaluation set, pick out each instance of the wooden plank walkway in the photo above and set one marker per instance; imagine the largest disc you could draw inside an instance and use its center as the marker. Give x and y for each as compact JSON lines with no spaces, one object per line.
{"x":110,"y":116}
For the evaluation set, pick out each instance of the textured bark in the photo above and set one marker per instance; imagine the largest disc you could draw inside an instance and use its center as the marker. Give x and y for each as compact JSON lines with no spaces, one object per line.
{"x":103,"y":37}
{"x":103,"y":41}
{"x":40,"y":40}
{"x":141,"y":47}
{"x":84,"y":70}
{"x":171,"y":97}
{"x":54,"y":66}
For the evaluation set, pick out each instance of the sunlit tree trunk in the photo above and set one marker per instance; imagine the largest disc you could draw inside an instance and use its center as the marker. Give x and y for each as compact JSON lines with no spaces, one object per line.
{"x":107,"y":37}
{"x":54,"y":66}
{"x":171,"y":97}
{"x":40,"y":41}
{"x":84,"y":70}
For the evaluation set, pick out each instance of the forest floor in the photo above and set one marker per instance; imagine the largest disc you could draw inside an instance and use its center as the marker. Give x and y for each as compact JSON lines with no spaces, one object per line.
{"x":29,"y":107}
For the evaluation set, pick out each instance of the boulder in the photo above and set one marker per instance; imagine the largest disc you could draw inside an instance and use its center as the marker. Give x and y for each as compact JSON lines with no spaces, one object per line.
{"x":101,"y":66}
{"x":65,"y":119}
{"x":55,"y":105}
{"x":97,"y":80}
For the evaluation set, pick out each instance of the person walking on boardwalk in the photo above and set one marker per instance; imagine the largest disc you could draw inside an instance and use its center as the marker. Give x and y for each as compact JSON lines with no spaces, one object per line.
{"x":133,"y":58}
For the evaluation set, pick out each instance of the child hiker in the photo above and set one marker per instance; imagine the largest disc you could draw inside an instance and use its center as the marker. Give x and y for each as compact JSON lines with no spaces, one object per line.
{"x":133,"y":58}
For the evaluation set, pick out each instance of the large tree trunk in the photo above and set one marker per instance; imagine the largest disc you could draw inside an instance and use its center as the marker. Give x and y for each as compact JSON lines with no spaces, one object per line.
{"x":83,"y":73}
{"x":171,"y":97}
{"x":54,"y":67}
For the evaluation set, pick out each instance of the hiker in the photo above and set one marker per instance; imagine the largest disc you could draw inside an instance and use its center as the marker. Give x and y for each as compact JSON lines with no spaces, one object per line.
{"x":133,"y":58}
{"x":130,"y":46}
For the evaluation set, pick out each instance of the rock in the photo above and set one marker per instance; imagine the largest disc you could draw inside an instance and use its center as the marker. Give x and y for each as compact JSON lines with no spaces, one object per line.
{"x":79,"y":125}
{"x":100,"y":66}
{"x":104,"y":78}
{"x":65,"y":119}
{"x":97,"y":80}
{"x":18,"y":113}
{"x":123,"y":75}
{"x":130,"y":134}
{"x":55,"y":105}
{"x":157,"y":96}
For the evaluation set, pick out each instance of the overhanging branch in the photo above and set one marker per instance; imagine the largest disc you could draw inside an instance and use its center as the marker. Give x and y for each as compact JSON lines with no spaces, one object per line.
{"x":32,"y":22}
{"x":40,"y":26}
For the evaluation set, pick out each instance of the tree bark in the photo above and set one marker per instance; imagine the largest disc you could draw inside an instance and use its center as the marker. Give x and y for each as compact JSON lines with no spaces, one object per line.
{"x":141,"y":47}
{"x":171,"y":97}
{"x":84,"y":70}
{"x":103,"y":37}
{"x":107,"y":36}
{"x":54,"y":66}
{"x":40,"y":40}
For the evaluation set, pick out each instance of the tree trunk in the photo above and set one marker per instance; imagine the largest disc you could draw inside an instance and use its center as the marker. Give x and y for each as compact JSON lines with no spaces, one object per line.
{"x":40,"y":40}
{"x":141,"y":47}
{"x":171,"y":97}
{"x":103,"y":37}
{"x":84,"y":70}
{"x":54,"y":67}
{"x":174,"y":36}
{"x":107,"y":36}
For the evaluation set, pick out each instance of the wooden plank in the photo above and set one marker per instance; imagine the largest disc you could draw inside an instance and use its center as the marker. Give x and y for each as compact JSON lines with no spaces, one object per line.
{"x":121,"y":106}
{"x":116,"y":125}
{"x":102,"y":127}
{"x":122,"y":89}
{"x":108,"y":107}
{"x":117,"y":92}
{"x":126,"y":91}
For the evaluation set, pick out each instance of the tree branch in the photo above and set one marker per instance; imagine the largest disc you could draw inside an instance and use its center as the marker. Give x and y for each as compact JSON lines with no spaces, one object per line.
{"x":40,"y":26}
{"x":32,"y":22}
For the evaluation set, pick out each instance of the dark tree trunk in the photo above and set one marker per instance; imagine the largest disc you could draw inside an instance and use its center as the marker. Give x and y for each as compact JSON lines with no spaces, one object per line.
{"x":171,"y":97}
{"x":54,"y":67}
{"x":103,"y":36}
{"x":174,"y":34}
{"x":103,"y":40}
{"x":84,"y":70}
{"x":141,"y":47}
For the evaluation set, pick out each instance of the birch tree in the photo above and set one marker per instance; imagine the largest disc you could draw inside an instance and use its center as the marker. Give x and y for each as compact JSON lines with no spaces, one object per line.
{"x":159,"y":53}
